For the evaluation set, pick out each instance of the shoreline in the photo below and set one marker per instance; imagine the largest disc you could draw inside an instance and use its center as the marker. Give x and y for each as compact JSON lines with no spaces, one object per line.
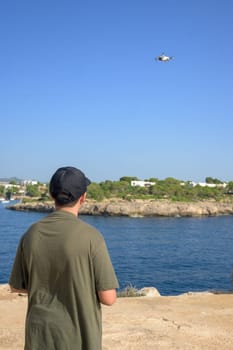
{"x":190,"y":321}
{"x":138,"y":208}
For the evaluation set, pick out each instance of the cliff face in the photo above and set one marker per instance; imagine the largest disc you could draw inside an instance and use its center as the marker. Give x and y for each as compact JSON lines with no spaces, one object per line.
{"x":137,"y":208}
{"x":156,"y":208}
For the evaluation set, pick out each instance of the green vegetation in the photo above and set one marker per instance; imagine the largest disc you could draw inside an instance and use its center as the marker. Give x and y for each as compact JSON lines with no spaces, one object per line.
{"x":2,"y":190}
{"x":129,"y":291}
{"x":170,"y":188}
{"x":33,"y":191}
{"x":230,"y":186}
{"x":8,"y":192}
{"x":210,"y":180}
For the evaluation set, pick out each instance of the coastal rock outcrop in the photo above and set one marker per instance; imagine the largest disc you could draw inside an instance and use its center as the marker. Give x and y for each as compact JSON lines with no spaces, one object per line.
{"x":139,"y":208}
{"x":150,"y":292}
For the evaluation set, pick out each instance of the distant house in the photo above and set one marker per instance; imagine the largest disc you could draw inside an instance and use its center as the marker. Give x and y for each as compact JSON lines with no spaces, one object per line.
{"x":4,"y":183}
{"x":142,"y":183}
{"x":204,"y":184}
{"x":7,"y":185}
{"x":29,"y":182}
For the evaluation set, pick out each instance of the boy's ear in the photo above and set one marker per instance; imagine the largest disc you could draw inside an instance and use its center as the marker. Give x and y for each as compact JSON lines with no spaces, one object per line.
{"x":83,"y":198}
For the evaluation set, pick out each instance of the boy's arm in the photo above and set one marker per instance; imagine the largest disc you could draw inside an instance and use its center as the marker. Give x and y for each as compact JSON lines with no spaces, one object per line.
{"x":107,"y":297}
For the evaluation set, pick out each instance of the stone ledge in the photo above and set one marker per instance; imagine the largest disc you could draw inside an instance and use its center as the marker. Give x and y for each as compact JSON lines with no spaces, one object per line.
{"x":139,"y":208}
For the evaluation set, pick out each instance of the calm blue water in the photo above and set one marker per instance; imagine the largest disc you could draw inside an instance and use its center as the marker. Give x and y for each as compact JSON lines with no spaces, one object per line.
{"x":175,"y":255}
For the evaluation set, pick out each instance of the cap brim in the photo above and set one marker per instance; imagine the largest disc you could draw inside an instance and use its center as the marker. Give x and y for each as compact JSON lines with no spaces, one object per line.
{"x":88,"y":182}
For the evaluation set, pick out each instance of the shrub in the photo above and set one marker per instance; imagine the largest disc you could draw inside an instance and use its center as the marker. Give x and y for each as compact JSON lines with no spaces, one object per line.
{"x":129,"y":291}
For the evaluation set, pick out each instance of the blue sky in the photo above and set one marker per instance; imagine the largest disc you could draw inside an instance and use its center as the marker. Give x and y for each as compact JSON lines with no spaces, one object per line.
{"x":79,"y":86}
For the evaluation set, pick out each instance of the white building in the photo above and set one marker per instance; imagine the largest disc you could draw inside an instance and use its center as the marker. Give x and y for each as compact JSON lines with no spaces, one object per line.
{"x":204,"y":184}
{"x":142,"y":183}
{"x":7,"y":185}
{"x":29,"y":182}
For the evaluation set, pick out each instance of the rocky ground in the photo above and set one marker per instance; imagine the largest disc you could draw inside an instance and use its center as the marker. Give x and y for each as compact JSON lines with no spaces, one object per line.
{"x":192,"y":321}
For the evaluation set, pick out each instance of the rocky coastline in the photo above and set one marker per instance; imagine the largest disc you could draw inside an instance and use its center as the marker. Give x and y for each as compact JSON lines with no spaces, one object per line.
{"x":138,"y":208}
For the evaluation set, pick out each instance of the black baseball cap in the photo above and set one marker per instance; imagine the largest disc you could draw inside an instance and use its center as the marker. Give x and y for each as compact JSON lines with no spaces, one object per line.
{"x":68,"y":184}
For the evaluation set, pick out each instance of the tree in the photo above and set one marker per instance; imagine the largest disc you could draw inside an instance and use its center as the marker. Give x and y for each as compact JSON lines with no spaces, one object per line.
{"x":128,"y":178}
{"x":13,"y":182}
{"x":8,"y":194}
{"x":153,"y":179}
{"x":211,"y":180}
{"x":2,"y":190}
{"x":94,"y":191}
{"x":172,"y":180}
{"x":33,"y":191}
{"x":230,"y":186}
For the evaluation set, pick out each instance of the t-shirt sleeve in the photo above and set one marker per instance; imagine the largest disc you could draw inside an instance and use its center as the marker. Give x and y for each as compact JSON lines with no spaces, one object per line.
{"x":105,"y":277}
{"x":19,"y":277}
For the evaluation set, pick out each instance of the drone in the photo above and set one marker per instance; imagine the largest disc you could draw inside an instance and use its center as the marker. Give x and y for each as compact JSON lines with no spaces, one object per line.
{"x":164,"y":58}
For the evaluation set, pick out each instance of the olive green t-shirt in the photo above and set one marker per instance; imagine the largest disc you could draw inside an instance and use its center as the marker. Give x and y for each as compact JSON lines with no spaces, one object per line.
{"x":63,"y":262}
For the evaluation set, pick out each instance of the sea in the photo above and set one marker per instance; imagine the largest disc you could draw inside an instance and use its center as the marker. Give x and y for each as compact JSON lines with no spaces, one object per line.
{"x":174,"y":255}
